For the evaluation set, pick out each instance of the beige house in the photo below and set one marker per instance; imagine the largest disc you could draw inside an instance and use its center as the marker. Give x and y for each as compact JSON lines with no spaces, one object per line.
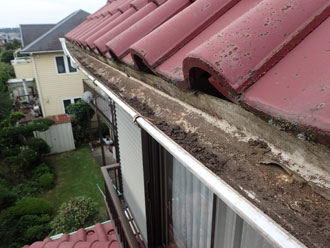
{"x":46,"y":80}
{"x":57,"y":82}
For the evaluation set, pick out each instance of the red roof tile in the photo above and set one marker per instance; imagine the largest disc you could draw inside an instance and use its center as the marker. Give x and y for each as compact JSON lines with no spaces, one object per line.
{"x":120,"y":44}
{"x":231,"y":44}
{"x":59,"y":119}
{"x":298,"y":87}
{"x":248,"y":47}
{"x":101,"y":236}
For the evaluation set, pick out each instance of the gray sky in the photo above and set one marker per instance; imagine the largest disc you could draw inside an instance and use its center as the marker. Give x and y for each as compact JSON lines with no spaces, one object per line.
{"x":15,"y":12}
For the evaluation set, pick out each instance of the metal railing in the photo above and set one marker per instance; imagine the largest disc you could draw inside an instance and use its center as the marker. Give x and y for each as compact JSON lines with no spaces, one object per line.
{"x":118,"y":211}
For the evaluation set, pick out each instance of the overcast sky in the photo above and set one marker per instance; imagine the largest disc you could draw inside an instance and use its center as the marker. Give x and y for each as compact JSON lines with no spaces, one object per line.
{"x":15,"y":12}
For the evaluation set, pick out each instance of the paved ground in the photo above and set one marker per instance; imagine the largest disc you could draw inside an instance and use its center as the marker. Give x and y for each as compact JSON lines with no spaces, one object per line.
{"x":97,"y":153}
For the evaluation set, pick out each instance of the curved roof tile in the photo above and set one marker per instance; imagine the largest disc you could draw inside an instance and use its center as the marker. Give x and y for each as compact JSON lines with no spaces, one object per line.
{"x":233,"y":45}
{"x":100,"y":236}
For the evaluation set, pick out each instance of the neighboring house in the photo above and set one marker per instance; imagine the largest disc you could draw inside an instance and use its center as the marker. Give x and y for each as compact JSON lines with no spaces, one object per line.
{"x":46,"y":80}
{"x":177,"y":82}
{"x":3,"y":39}
{"x":58,"y":82}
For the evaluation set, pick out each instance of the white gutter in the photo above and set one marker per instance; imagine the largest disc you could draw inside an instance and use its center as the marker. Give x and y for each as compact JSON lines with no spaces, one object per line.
{"x":58,"y":236}
{"x":40,"y":52}
{"x":268,"y":228}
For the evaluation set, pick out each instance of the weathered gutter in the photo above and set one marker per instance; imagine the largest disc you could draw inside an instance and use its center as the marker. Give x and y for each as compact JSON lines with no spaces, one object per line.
{"x":269,"y":229}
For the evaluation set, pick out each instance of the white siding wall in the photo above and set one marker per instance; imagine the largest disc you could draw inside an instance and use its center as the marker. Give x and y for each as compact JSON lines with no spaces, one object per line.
{"x":130,"y":148}
{"x":59,"y":137}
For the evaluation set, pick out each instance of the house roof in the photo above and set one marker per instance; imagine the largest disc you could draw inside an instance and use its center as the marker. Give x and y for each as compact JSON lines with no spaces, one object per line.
{"x":30,"y":32}
{"x":60,"y":119}
{"x":49,"y":41}
{"x":101,"y":235}
{"x":247,"y":50}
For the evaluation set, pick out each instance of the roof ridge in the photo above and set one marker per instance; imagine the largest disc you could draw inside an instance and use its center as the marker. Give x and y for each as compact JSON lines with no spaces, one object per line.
{"x":36,"y":24}
{"x":57,"y":25}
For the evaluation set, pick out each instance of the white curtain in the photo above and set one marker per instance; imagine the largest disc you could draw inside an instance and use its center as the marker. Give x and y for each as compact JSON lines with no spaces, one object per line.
{"x":191,"y":207}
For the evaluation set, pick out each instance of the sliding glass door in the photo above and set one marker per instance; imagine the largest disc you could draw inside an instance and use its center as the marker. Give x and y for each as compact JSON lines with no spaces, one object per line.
{"x":189,"y":208}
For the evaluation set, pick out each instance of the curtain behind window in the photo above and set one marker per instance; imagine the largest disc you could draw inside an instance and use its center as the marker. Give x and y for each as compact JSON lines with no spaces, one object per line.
{"x":60,"y":64}
{"x":190,"y":205}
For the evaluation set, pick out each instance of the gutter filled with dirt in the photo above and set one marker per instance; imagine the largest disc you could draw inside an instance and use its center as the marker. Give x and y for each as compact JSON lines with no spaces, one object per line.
{"x":249,"y":167}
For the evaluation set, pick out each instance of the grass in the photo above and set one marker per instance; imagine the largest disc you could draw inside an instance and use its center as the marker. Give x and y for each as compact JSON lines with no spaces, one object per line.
{"x":77,"y":175}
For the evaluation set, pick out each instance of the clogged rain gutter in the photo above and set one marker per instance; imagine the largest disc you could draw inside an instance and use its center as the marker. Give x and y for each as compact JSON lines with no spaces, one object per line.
{"x":269,"y":229}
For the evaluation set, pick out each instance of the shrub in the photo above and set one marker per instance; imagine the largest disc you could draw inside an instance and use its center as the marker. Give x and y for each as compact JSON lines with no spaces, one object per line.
{"x":31,"y":206}
{"x":28,"y":221}
{"x":38,"y":145}
{"x":23,"y":230}
{"x":47,"y":180}
{"x":23,"y":161}
{"x":7,"y":198}
{"x":77,"y":213}
{"x":31,"y":188}
{"x":41,"y":169}
{"x":36,"y":233}
{"x":41,"y":124}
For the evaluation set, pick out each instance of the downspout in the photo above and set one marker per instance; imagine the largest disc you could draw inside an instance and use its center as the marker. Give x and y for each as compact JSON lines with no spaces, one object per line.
{"x":269,"y":229}
{"x":38,"y":86}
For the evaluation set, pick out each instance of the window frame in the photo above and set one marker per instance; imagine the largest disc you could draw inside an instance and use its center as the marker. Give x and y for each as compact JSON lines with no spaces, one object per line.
{"x":66,"y":65}
{"x":72,"y":101}
{"x":155,"y":162}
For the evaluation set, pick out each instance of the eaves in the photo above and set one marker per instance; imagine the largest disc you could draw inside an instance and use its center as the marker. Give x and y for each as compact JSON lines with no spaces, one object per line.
{"x":228,"y":141}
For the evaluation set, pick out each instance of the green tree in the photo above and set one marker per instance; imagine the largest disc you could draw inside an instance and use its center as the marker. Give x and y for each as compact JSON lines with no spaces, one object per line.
{"x":13,"y":45}
{"x":78,"y":112}
{"x":6,"y":72}
{"x":22,"y":152}
{"x":6,"y":104}
{"x":7,"y":56}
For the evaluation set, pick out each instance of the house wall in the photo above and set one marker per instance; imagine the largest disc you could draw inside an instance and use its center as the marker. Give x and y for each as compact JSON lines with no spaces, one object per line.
{"x":23,"y":68}
{"x":53,"y":87}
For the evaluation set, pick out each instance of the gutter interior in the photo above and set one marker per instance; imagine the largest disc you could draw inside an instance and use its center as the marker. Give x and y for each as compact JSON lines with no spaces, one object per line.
{"x":227,"y":140}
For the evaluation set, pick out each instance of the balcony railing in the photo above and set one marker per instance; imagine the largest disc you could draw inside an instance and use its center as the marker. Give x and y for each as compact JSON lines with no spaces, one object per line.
{"x":126,"y":229}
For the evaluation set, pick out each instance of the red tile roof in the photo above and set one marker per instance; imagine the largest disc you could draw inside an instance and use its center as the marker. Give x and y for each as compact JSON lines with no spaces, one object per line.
{"x":60,"y":119}
{"x":101,"y":236}
{"x":234,"y":44}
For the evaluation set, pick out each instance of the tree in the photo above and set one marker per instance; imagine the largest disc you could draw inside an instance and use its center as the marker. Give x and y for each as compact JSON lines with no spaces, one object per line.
{"x":7,"y":56}
{"x":22,"y":152}
{"x":6,"y":104}
{"x":78,"y":113}
{"x":13,"y":45}
{"x":6,"y":72}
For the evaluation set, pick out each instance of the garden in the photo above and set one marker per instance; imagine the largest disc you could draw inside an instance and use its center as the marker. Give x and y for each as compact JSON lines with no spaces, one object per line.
{"x":43,"y":195}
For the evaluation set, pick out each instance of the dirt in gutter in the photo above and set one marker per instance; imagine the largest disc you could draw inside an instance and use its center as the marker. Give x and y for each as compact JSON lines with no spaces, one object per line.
{"x":249,"y":167}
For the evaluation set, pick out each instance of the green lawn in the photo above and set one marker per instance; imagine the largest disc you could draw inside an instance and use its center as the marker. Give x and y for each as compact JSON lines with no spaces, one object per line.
{"x":77,"y":175}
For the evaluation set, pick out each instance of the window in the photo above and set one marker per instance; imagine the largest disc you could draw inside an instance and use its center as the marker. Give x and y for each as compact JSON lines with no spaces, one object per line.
{"x":68,"y":102}
{"x":189,"y":208}
{"x":71,"y":69}
{"x":185,"y":205}
{"x":64,"y":65}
